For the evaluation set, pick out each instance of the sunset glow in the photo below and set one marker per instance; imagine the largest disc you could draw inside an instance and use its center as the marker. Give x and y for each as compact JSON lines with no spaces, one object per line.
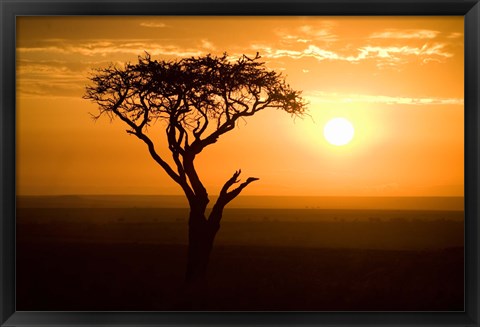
{"x":397,"y":80}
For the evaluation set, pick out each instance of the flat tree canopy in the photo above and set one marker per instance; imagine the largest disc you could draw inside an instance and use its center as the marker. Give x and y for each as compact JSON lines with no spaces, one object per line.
{"x":200,"y":98}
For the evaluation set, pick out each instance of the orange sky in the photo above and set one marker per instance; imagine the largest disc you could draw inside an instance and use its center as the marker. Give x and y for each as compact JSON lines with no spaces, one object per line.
{"x":399,"y":80}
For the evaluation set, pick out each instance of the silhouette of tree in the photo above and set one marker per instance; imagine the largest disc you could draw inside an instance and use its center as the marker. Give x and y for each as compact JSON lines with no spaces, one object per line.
{"x":199,"y":99}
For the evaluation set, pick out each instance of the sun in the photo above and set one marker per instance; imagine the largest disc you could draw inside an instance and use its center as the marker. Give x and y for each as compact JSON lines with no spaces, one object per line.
{"x":338,"y":131}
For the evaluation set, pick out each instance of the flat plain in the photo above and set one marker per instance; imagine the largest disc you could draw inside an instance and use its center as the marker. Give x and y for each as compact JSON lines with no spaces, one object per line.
{"x":263,"y":260}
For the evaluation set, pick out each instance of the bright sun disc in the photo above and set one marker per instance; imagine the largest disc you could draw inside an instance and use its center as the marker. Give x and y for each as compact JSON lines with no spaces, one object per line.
{"x":338,"y":131}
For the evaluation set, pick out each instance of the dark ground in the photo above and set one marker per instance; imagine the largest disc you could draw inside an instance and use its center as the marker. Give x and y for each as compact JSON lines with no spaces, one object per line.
{"x":113,"y":261}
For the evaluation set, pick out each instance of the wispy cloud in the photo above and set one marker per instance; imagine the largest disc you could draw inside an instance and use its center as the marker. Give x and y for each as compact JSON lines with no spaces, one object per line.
{"x":454,"y":35}
{"x":66,"y":74}
{"x":405,"y":34}
{"x":308,"y":33}
{"x":331,"y":97}
{"x":392,"y":54}
{"x":310,"y":51}
{"x":50,"y":78}
{"x":105,"y":49}
{"x":322,"y":33}
{"x":206,"y":44}
{"x":153,"y":24}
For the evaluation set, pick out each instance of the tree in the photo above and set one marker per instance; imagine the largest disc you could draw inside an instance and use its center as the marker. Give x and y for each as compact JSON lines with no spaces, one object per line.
{"x":197,"y":100}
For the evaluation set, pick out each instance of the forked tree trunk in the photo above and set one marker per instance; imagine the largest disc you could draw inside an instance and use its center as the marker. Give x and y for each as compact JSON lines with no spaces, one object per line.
{"x":201,"y":235}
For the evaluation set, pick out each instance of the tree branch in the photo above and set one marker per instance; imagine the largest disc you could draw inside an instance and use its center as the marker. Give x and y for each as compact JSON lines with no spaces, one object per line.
{"x":197,"y":185}
{"x":226,"y":196}
{"x":177,"y":178}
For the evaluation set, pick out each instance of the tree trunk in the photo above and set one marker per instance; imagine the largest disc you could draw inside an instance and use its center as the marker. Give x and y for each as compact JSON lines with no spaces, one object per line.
{"x":201,"y":234}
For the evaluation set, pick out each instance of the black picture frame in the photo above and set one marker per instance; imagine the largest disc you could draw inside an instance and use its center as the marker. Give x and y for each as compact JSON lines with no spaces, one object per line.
{"x":10,"y":9}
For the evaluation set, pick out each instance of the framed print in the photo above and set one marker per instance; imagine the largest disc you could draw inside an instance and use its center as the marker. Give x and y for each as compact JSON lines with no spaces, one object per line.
{"x":243,"y":163}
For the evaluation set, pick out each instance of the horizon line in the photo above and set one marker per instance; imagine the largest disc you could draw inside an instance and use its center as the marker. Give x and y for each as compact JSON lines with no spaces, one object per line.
{"x":316,"y":196}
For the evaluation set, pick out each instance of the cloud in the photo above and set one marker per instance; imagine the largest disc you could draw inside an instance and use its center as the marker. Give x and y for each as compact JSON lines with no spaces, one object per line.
{"x":50,"y":78}
{"x":303,"y":40}
{"x":322,"y":33}
{"x":405,"y":34}
{"x":310,"y":51}
{"x":308,"y":34}
{"x":290,"y":38}
{"x":106,"y":49}
{"x":153,"y":24}
{"x":332,"y":97}
{"x":391,"y":54}
{"x":54,"y":68}
{"x":454,"y":35}
{"x":208,"y":45}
